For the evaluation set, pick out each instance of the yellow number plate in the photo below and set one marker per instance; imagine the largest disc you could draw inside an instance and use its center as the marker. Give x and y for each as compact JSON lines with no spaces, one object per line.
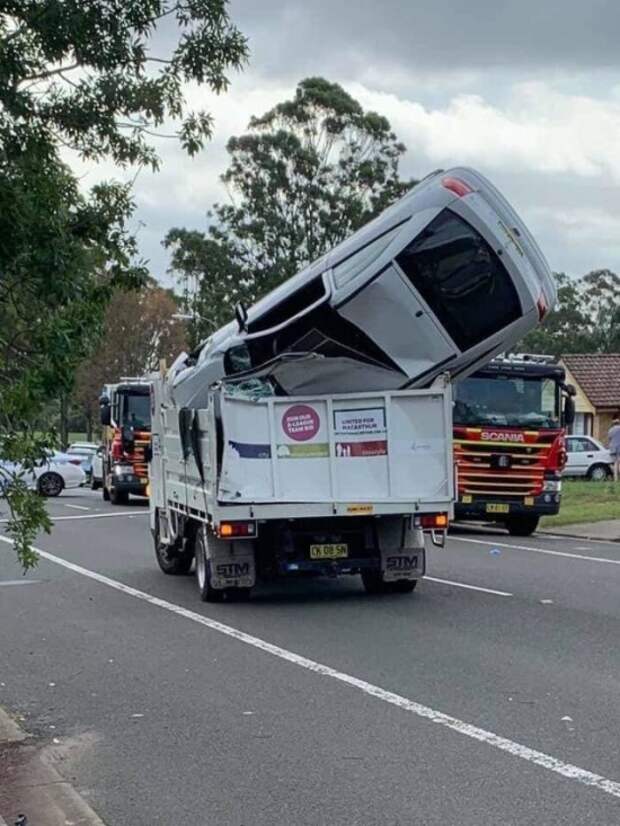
{"x":494,"y":507}
{"x":331,"y":551}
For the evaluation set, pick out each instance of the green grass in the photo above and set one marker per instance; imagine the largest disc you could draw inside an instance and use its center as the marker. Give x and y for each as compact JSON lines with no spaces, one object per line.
{"x":585,"y":502}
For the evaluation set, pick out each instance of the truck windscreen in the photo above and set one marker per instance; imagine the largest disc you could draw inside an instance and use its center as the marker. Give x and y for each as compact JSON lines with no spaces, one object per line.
{"x":136,"y":411}
{"x":512,"y":401}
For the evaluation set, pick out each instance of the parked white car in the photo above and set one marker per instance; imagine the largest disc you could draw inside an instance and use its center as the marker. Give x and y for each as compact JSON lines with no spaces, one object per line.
{"x":587,"y":457}
{"x":51,"y":477}
{"x":84,"y":452}
{"x":96,"y":470}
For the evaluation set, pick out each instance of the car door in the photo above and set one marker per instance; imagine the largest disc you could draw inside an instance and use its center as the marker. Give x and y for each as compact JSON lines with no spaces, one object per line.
{"x":578,"y":463}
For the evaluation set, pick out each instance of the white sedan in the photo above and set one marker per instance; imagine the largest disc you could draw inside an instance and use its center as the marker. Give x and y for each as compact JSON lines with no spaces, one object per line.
{"x":587,"y":457}
{"x":50,"y":478}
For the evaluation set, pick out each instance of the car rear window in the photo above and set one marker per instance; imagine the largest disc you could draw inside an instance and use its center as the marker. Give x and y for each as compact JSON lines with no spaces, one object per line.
{"x":462,"y":280}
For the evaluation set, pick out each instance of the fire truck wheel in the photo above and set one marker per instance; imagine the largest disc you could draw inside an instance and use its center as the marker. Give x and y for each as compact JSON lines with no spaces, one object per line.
{"x":203,"y":573}
{"x":50,"y":484}
{"x":522,"y":525}
{"x":106,"y":494}
{"x":118,"y":497}
{"x":95,"y":484}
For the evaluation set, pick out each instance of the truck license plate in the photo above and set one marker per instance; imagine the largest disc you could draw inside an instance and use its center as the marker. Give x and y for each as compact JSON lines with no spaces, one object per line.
{"x":495,"y":507}
{"x":330,"y":551}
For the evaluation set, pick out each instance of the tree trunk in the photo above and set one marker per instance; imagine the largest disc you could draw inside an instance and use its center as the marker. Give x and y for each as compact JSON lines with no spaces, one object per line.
{"x":64,"y":430}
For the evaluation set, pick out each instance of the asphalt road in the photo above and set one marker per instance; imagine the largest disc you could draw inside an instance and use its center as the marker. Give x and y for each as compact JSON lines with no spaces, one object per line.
{"x":316,"y":704}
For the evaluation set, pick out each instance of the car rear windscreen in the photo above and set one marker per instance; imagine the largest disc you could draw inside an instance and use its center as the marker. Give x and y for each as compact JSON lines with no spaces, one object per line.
{"x":461,"y":279}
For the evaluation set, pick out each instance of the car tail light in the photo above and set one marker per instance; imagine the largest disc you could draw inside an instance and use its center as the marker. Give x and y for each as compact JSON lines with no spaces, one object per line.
{"x":230,"y":530}
{"x":456,"y":185}
{"x":542,"y":306}
{"x":434,"y":521}
{"x":75,"y":461}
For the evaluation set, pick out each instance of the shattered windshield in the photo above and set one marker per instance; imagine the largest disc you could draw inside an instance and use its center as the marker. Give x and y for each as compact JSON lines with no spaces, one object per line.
{"x":504,"y":400}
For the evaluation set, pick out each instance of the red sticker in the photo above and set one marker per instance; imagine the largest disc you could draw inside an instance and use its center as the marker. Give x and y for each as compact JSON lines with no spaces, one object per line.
{"x":301,"y":422}
{"x":348,"y":450}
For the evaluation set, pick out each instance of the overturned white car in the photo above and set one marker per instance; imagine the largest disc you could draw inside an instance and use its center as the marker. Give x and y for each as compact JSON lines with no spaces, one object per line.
{"x":313,"y":434}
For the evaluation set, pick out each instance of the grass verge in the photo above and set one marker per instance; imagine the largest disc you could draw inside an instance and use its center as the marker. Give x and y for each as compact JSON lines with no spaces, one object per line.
{"x":585,"y":501}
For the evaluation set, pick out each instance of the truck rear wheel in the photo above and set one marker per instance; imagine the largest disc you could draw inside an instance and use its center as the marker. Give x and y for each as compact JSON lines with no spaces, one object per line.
{"x":175,"y":559}
{"x":522,"y":525}
{"x":203,"y":572}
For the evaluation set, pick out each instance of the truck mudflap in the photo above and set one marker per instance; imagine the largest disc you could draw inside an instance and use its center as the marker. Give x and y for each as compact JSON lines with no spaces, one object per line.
{"x":231,"y":564}
{"x":402,"y":549}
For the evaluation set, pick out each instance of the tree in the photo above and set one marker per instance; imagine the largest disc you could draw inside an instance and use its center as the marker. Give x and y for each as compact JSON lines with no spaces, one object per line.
{"x":308,"y":173}
{"x":585,"y":320}
{"x":138,"y":331}
{"x":80,"y":74}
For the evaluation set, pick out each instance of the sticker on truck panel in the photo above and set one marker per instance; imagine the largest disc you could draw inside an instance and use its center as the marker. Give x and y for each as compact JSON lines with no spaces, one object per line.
{"x":402,"y":566}
{"x":360,"y":509}
{"x":301,"y":422}
{"x":346,"y":450}
{"x":248,"y":450}
{"x":316,"y":450}
{"x":359,"y":422}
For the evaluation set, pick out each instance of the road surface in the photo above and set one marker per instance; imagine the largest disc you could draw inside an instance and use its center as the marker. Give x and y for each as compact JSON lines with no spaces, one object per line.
{"x":491,"y":695}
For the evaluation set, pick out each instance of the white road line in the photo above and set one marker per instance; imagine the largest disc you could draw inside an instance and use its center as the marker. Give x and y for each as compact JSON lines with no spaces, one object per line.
{"x":539,"y":758}
{"x":19,"y":582}
{"x":93,"y":516}
{"x":76,"y":507}
{"x":469,"y":587}
{"x":537,"y":550}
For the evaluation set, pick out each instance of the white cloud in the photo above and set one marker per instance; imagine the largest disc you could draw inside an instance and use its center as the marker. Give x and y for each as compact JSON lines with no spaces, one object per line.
{"x":537,"y":129}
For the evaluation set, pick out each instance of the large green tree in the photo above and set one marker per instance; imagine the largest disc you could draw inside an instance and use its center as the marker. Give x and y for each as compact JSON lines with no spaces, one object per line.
{"x":94,"y":77}
{"x":585,"y":320}
{"x":305,"y":175}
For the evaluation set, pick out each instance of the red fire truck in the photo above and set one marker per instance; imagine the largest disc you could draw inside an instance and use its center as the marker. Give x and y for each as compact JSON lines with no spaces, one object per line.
{"x":509,"y":421}
{"x":126,"y":417}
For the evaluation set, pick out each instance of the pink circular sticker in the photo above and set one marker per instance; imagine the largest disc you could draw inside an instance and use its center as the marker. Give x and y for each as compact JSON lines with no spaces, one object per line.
{"x":301,"y":422}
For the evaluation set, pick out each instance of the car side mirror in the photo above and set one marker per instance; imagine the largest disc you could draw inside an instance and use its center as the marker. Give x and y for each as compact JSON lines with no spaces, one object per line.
{"x":241,"y":314}
{"x":106,"y":415}
{"x":569,"y":411}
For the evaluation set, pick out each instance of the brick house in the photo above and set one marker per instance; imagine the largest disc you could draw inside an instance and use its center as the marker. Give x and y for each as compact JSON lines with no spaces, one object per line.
{"x":596,"y":377}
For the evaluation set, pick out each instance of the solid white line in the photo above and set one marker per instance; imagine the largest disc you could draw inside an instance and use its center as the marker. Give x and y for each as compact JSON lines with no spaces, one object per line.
{"x":538,"y":550}
{"x":19,"y":582}
{"x":539,"y":758}
{"x":77,"y":507}
{"x":93,"y":516}
{"x":469,"y":587}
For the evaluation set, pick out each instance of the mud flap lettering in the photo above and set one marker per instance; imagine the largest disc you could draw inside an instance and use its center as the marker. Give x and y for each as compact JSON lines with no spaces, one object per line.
{"x":232,"y":564}
{"x":403,"y":564}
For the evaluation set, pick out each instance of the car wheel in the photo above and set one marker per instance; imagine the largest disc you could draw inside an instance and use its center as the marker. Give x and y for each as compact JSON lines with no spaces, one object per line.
{"x":50,"y":484}
{"x":599,"y":473}
{"x":95,"y":484}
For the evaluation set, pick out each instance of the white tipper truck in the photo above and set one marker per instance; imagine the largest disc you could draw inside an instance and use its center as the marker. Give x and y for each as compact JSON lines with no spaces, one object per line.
{"x":313,"y":435}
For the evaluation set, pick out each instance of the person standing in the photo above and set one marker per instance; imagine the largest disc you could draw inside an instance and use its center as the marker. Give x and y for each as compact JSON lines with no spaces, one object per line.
{"x":613,"y":441}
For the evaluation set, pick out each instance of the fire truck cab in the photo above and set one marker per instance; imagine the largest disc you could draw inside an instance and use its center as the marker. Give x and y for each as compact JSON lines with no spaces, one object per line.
{"x":126,"y":419}
{"x":509,"y":420}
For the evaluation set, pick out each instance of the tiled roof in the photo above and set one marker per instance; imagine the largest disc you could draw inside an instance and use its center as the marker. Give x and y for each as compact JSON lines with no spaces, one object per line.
{"x":598,"y":375}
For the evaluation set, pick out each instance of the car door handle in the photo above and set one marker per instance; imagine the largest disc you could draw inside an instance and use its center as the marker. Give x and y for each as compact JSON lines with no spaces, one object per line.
{"x":590,"y":455}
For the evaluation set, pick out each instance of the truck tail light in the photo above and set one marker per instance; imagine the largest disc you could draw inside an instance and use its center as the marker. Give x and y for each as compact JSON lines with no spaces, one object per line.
{"x":456,"y":185}
{"x":231,"y":530}
{"x":434,"y":521}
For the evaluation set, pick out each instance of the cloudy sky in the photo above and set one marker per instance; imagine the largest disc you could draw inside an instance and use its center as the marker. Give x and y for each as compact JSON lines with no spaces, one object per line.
{"x":527,"y":91}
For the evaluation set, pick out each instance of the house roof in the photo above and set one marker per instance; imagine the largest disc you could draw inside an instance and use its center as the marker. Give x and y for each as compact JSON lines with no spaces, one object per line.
{"x":598,"y":375}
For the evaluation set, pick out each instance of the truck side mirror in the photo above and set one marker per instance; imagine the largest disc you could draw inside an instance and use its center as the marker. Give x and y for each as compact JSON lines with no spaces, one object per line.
{"x":127,"y":437}
{"x":106,"y":415}
{"x":569,"y":411}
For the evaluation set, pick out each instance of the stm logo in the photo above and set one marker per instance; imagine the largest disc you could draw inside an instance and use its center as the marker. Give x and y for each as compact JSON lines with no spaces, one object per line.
{"x":402,"y":563}
{"x":233,"y":570}
{"x":501,"y":436}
